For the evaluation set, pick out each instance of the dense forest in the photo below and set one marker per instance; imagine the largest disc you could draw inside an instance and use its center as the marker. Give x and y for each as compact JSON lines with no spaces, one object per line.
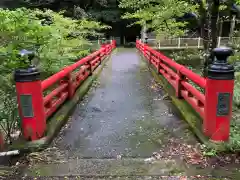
{"x":163,"y":17}
{"x":175,"y":15}
{"x":105,"y":11}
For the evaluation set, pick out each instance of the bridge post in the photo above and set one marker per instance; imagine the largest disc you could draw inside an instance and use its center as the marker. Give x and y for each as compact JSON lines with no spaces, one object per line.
{"x":144,"y":50}
{"x":199,"y":42}
{"x":103,"y":46}
{"x":150,"y":58}
{"x":218,"y":96}
{"x":30,"y":102}
{"x":70,"y":86}
{"x":114,"y":44}
{"x":179,"y":85}
{"x":219,"y":41}
{"x":159,"y":65}
{"x":179,"y":42}
{"x":145,"y":47}
{"x":2,"y":142}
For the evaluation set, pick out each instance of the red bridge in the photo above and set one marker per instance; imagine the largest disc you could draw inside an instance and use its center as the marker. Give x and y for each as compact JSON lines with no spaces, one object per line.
{"x":212,"y":102}
{"x":111,"y":121}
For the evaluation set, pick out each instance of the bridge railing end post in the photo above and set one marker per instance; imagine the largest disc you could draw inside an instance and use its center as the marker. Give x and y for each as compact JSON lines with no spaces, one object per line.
{"x":180,"y":78}
{"x":70,"y":86}
{"x":179,"y":42}
{"x":30,"y":102}
{"x":219,"y":41}
{"x":199,"y":42}
{"x":219,"y":96}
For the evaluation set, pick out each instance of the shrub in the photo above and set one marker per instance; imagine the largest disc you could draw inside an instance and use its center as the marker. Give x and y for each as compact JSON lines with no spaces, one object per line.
{"x":57,"y":40}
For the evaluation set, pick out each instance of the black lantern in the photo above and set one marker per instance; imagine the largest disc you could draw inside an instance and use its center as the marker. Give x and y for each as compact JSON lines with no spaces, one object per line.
{"x":28,"y":71}
{"x":29,"y":57}
{"x":146,"y":40}
{"x":103,"y":40}
{"x":220,"y":68}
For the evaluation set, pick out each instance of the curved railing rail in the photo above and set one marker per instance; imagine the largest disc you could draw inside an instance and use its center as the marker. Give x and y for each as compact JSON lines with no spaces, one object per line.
{"x":48,"y":95}
{"x":205,"y":102}
{"x":178,"y":76}
{"x":68,"y":81}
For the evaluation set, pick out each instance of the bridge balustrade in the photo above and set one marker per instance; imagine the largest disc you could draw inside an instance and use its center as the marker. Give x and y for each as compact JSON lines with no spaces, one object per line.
{"x":38,"y":100}
{"x":214,"y":102}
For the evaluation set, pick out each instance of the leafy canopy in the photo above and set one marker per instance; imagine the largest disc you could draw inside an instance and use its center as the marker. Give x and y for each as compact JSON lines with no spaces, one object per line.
{"x":159,"y":15}
{"x":57,"y":41}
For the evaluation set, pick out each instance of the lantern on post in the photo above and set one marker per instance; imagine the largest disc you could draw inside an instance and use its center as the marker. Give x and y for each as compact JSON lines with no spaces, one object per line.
{"x":103,"y":41}
{"x":30,"y":97}
{"x":146,"y":40}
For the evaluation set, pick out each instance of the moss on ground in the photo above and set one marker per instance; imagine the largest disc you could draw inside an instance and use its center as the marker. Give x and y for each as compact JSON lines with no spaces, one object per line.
{"x":187,"y":112}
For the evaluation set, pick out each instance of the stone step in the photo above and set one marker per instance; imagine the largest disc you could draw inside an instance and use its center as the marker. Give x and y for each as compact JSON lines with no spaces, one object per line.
{"x":114,"y":178}
{"x":111,"y":168}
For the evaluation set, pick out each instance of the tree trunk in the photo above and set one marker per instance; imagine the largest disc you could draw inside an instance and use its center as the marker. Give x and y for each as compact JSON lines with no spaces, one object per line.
{"x":220,"y":27}
{"x":233,"y":21}
{"x":212,"y":32}
{"x":205,"y":34}
{"x":214,"y":27}
{"x":203,"y":25}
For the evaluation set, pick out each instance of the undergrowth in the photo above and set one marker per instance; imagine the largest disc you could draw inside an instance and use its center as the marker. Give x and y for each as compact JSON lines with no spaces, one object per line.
{"x":56,"y":40}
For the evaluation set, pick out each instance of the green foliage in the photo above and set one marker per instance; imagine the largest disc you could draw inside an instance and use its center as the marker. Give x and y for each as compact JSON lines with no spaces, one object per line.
{"x":234,"y":144}
{"x":57,"y":40}
{"x":210,"y":152}
{"x":57,"y":44}
{"x":236,"y":95}
{"x":235,"y":60}
{"x":188,"y":57}
{"x":237,"y":1}
{"x":103,"y":10}
{"x":159,"y":15}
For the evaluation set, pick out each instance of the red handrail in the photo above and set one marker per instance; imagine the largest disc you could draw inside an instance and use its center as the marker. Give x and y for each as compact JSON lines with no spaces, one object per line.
{"x":178,"y":76}
{"x":63,"y":73}
{"x":193,"y":77}
{"x":71,"y":81}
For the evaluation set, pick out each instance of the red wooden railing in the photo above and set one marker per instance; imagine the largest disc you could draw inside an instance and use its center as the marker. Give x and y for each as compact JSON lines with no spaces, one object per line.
{"x":179,"y":77}
{"x":62,"y":86}
{"x":68,"y":81}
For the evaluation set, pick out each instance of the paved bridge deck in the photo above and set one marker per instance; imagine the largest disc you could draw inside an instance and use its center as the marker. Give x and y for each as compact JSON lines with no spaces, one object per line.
{"x":126,"y":115}
{"x":114,"y":118}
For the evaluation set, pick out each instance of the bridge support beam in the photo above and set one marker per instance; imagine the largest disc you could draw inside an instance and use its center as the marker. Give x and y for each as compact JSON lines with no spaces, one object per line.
{"x":218,"y":96}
